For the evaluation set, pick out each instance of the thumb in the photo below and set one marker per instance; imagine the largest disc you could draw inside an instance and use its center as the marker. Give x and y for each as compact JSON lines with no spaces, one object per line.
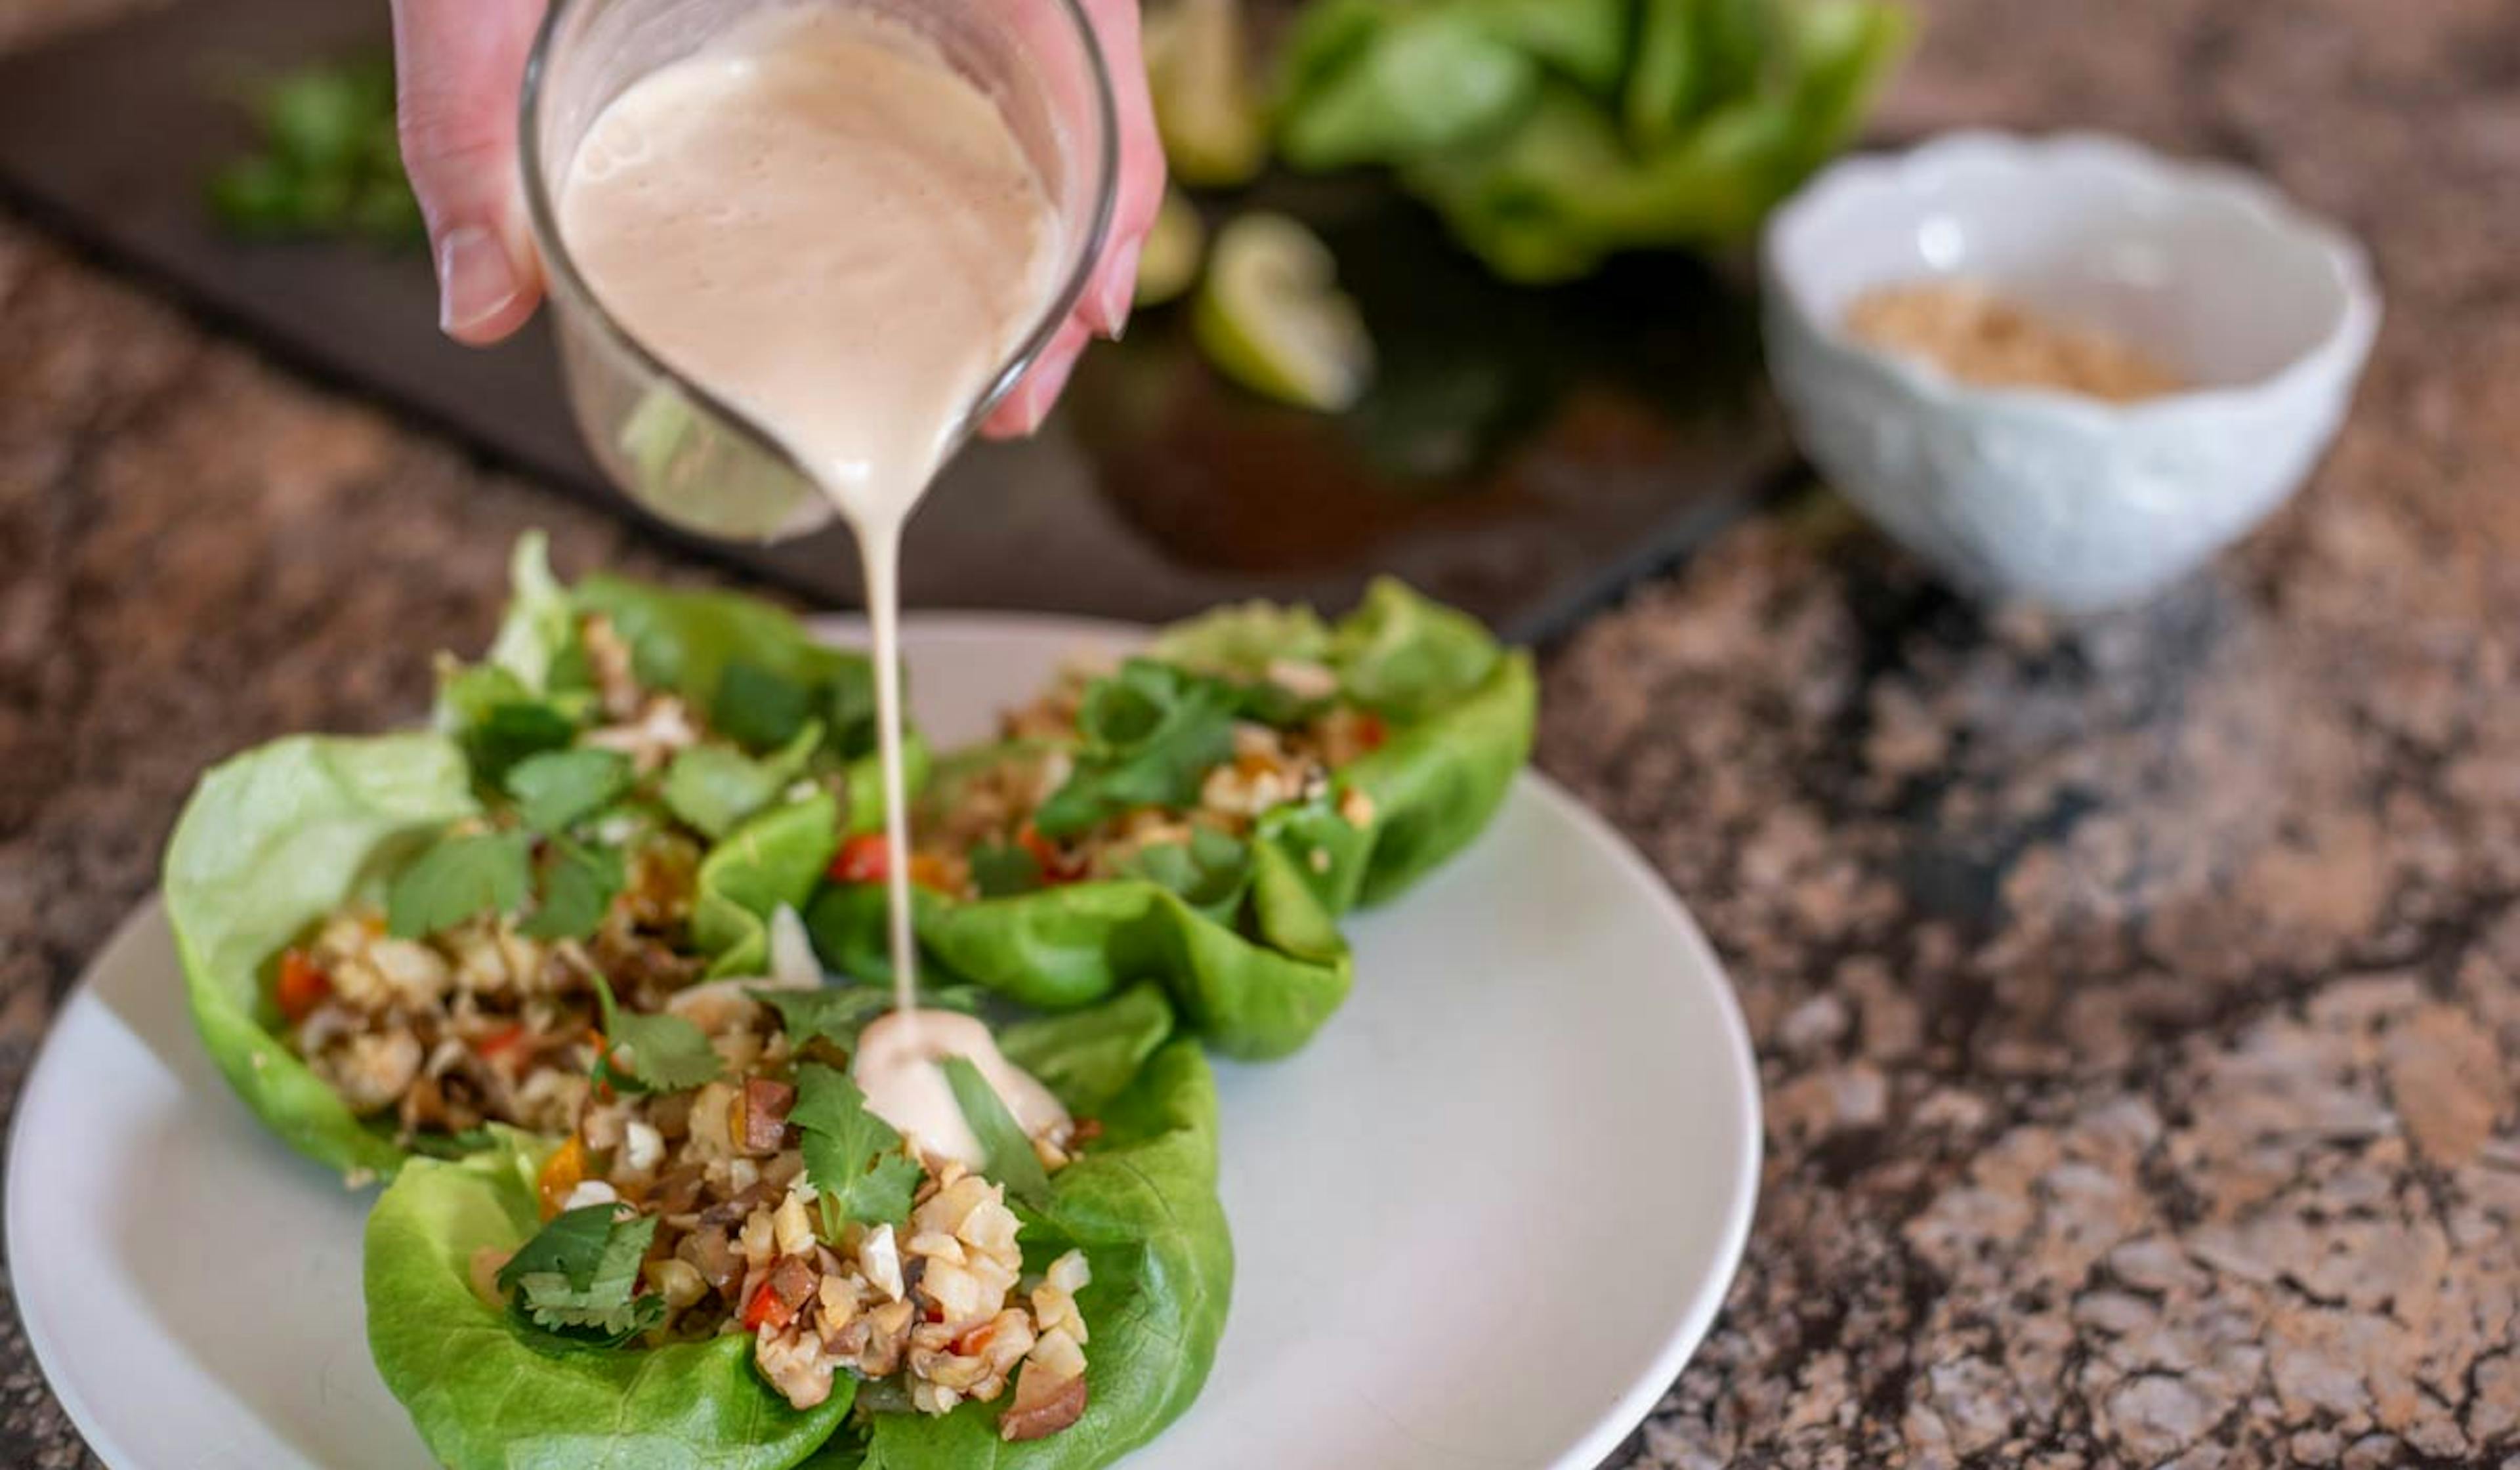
{"x":459,"y":65}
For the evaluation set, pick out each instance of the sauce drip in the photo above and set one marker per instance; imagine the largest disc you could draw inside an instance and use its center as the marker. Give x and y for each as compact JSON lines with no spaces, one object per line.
{"x":818,"y":218}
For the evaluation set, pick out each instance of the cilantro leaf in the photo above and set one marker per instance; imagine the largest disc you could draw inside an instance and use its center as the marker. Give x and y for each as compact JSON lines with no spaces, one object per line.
{"x":579,"y":1276}
{"x":578,"y":885}
{"x":1007,"y":1148}
{"x":715,"y":787}
{"x":757,"y":708}
{"x":666,"y":1053}
{"x":837,"y":1012}
{"x":1211,"y":871}
{"x":1150,"y":732}
{"x":479,"y":872}
{"x":570,"y":1244}
{"x":999,"y":869}
{"x":554,"y":789}
{"x":498,"y":721}
{"x":848,"y":708}
{"x":853,"y":1157}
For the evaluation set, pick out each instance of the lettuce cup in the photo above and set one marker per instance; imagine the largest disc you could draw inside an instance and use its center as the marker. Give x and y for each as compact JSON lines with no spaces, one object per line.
{"x":1203,"y":815}
{"x":392,"y":943}
{"x":759,"y":1267}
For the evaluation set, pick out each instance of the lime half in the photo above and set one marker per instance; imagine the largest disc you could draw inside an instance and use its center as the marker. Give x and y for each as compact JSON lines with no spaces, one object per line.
{"x":1206,"y":106}
{"x":1273,"y":319}
{"x":1168,"y":262}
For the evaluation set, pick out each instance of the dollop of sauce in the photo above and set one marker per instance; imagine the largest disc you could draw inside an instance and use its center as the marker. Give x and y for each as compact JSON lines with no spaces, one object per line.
{"x":900,"y":1067}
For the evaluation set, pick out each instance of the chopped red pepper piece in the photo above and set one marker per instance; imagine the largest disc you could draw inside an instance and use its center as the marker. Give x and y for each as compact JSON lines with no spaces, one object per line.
{"x":766,"y":1307}
{"x":1055,"y":867}
{"x":302,"y":985}
{"x":862,"y":858}
{"x":501,"y":1042}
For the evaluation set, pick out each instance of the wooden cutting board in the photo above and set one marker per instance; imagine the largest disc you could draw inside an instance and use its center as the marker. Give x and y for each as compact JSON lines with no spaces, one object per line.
{"x":1524,"y":454}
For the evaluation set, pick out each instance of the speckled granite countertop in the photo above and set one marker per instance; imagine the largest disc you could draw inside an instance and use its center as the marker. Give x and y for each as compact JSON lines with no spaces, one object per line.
{"x":2139,"y":1004}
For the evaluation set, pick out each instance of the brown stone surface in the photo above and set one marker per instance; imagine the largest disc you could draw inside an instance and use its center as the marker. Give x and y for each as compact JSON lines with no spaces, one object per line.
{"x":2138,"y":1003}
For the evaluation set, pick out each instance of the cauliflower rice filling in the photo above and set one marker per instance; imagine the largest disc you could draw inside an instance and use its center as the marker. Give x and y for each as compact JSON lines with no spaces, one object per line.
{"x":940,"y":1310}
{"x":1270,"y":768}
{"x":475,"y":1025}
{"x":478,"y":1023}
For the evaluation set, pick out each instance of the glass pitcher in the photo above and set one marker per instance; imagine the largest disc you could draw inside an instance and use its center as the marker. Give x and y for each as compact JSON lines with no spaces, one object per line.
{"x":679,"y":450}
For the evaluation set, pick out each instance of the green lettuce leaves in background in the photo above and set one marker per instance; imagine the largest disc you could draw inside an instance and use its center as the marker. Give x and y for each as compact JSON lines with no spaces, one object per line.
{"x":487,"y":1394}
{"x":1257,"y":976}
{"x":1550,"y":134}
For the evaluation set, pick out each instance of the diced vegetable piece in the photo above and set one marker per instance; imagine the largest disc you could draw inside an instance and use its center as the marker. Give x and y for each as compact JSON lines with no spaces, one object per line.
{"x":302,"y":986}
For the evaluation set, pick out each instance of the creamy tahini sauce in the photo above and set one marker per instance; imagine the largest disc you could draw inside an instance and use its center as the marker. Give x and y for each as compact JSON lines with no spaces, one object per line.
{"x":899,"y":1066}
{"x":819,"y":219}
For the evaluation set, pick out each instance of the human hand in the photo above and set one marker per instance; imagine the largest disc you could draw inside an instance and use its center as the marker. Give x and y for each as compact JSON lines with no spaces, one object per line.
{"x":1104,"y":309}
{"x":459,"y":65}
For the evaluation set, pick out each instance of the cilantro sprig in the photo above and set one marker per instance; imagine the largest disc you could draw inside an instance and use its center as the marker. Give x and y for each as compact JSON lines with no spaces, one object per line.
{"x":555,"y":789}
{"x":1148,"y":735}
{"x":457,"y":877}
{"x":715,"y":787}
{"x":853,"y":1158}
{"x":578,"y":882}
{"x":652,"y":1053}
{"x":578,"y":1277}
{"x":833,"y":1012}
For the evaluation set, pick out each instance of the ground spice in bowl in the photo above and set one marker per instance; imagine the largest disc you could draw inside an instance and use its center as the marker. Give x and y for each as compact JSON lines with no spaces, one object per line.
{"x":1979,"y":337}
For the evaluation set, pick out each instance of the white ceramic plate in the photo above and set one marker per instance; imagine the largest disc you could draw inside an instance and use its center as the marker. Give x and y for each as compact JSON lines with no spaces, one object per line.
{"x":1481,"y":1222}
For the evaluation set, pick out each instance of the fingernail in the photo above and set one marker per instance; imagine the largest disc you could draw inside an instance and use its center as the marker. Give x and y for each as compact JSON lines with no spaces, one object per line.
{"x":1119,"y":289}
{"x":476,"y":279}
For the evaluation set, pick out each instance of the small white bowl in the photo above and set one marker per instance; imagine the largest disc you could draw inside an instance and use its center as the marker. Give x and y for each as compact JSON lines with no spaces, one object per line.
{"x":2072,"y":501}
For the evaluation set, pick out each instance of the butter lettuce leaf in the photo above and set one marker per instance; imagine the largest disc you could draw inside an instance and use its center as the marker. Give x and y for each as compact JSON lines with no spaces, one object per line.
{"x":487,"y":1394}
{"x":270,"y":842}
{"x":1140,"y":1203}
{"x":1248,"y":953}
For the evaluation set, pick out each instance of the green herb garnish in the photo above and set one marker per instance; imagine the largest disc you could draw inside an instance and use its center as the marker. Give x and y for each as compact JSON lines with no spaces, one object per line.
{"x":666,"y":1053}
{"x":715,"y":787}
{"x":1007,"y":1150}
{"x":1150,"y":735}
{"x":852,"y":1157}
{"x":457,"y":879}
{"x":578,"y":884}
{"x":1002,"y":871}
{"x":835,"y":1012}
{"x":579,"y":1277}
{"x":555,"y":789}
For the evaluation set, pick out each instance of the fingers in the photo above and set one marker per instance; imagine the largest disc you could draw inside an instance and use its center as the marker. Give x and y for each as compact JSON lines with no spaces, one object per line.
{"x":1103,"y":308}
{"x":458,"y":65}
{"x":1024,"y":409}
{"x":1107,"y":297}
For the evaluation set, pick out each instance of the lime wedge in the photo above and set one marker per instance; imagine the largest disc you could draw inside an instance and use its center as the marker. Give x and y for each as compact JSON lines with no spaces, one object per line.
{"x":1168,"y":262}
{"x":1198,"y":72}
{"x":1273,"y":319}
